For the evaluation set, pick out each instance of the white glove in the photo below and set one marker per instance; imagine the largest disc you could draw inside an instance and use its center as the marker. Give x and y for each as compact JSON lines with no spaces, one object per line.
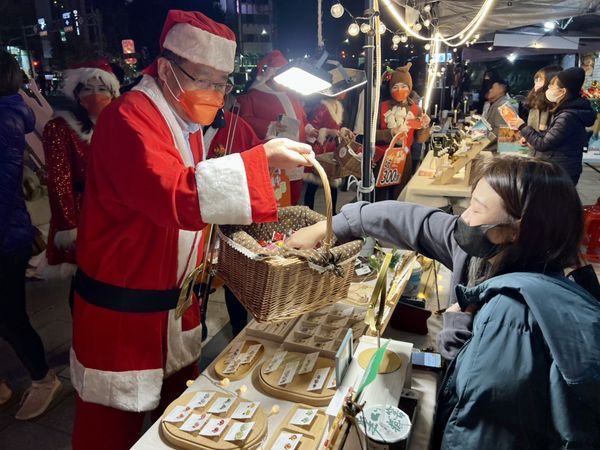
{"x":65,"y":240}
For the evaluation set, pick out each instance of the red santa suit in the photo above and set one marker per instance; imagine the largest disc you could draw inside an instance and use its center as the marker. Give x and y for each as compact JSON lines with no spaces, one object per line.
{"x":216,"y":139}
{"x":148,"y":195}
{"x":66,"y":142}
{"x":262,"y":105}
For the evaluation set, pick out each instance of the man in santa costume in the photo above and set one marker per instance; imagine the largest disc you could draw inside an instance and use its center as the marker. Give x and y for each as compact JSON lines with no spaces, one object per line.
{"x":266,"y":101}
{"x":148,"y":194}
{"x":400,"y":114}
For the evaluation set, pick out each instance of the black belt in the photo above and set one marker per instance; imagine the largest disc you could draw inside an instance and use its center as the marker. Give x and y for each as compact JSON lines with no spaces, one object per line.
{"x":123,"y":299}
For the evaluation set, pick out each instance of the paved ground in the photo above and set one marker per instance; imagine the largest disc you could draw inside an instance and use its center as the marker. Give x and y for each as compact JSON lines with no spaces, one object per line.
{"x":49,"y":313}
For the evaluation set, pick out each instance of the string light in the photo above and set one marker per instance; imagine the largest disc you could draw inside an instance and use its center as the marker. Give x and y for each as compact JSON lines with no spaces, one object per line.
{"x":353,"y":29}
{"x":365,"y":28}
{"x":382,"y":28}
{"x":427,"y":23}
{"x":417,"y":27}
{"x":395,"y":47}
{"x":396,"y":39}
{"x":337,"y":10}
{"x":427,"y":8}
{"x":428,"y":46}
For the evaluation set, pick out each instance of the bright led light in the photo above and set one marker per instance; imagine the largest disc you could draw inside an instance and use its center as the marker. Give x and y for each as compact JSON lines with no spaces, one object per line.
{"x":301,"y":81}
{"x":455,"y":50}
{"x":346,"y":41}
{"x":417,"y":27}
{"x":365,"y":28}
{"x":490,"y":48}
{"x":427,"y":46}
{"x":427,"y":8}
{"x":427,"y":22}
{"x":403,"y":38}
{"x":263,"y":32}
{"x":549,"y":26}
{"x":396,"y":39}
{"x":394,"y":47}
{"x":353,"y":29}
{"x":337,"y":10}
{"x":512,"y":57}
{"x":382,"y":28}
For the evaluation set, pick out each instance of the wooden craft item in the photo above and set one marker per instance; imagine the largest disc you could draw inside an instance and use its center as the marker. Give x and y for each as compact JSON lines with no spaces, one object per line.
{"x":311,"y":435}
{"x":275,"y":332}
{"x":194,"y":441}
{"x":390,"y":362}
{"x":323,"y":330}
{"x":296,"y":391}
{"x":448,"y":173}
{"x":243,"y":369}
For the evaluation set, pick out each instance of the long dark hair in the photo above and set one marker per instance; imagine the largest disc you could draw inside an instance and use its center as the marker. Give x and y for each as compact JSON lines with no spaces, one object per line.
{"x":10,"y":74}
{"x":80,"y":112}
{"x":542,"y":198}
{"x":538,"y":100}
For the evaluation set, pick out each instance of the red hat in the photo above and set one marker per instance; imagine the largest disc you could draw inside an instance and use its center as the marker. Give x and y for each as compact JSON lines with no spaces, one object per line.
{"x":199,"y":39}
{"x":81,"y":73}
{"x":274,"y":59}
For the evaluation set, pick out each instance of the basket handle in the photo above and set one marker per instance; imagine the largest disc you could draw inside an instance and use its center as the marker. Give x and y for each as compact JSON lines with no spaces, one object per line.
{"x":328,"y":242}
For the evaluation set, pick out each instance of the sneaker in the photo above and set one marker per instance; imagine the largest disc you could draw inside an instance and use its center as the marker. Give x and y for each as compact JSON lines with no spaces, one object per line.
{"x":38,"y":397}
{"x":5,"y":392}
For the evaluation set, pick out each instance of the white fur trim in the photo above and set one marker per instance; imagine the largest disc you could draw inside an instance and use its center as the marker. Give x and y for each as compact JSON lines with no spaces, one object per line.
{"x":201,"y":47}
{"x":149,"y":87}
{"x":75,"y":125}
{"x":335,"y":109}
{"x":183,"y":347}
{"x":223,"y":191}
{"x":65,"y":240}
{"x":187,"y":253}
{"x":132,"y":390}
{"x":73,"y":77}
{"x":323,"y":133}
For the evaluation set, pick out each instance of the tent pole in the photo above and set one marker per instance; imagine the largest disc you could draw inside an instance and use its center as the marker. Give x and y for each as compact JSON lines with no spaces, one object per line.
{"x":369,"y":141}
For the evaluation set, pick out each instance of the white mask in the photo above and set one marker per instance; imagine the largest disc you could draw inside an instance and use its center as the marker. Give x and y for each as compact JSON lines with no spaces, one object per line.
{"x":552,"y":95}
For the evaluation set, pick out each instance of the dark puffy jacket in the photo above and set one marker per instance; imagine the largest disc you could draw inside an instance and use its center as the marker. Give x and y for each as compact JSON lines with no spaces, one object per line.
{"x":529,"y":378}
{"x":16,"y":120}
{"x":566,"y":137}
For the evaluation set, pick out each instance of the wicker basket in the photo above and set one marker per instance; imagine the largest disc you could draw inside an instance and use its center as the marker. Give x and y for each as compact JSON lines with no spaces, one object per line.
{"x":277,"y":285}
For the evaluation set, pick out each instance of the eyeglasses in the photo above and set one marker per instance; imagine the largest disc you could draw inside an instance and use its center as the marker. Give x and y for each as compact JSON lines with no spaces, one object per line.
{"x":225,"y":88}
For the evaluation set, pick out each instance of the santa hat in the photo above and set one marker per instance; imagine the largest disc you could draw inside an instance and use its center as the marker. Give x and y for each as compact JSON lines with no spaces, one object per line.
{"x":274,"y":59}
{"x":198,"y":39}
{"x":402,"y":75}
{"x":81,"y":73}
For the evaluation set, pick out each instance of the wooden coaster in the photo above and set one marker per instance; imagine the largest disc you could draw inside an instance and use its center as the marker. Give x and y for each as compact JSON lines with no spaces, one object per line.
{"x":390,"y":362}
{"x":311,"y":435}
{"x":194,"y":441}
{"x":243,"y":369}
{"x":296,"y":391}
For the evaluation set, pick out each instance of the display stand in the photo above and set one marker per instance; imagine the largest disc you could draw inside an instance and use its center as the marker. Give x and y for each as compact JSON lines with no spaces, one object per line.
{"x":311,"y":435}
{"x":296,"y":391}
{"x":465,"y":160}
{"x":194,"y":441}
{"x":243,"y":369}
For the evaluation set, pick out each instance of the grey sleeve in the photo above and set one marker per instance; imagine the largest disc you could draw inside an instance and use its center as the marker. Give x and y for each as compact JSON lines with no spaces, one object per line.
{"x":425,"y":230}
{"x":457,"y":330}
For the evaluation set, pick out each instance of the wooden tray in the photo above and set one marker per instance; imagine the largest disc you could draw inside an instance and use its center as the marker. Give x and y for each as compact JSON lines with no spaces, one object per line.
{"x":311,"y":435}
{"x":275,"y":332}
{"x":193,"y":441}
{"x":296,"y":390}
{"x":323,"y":330}
{"x":243,"y":369}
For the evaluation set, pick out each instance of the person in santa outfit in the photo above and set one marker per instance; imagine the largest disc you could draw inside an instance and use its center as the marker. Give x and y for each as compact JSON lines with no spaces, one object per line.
{"x":327,"y":119}
{"x":148,"y":195}
{"x":90,"y":87}
{"x":263,"y":105}
{"x":400,"y":114}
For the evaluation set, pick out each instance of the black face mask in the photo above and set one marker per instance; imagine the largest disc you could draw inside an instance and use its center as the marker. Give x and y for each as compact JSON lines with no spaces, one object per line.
{"x":473,"y":240}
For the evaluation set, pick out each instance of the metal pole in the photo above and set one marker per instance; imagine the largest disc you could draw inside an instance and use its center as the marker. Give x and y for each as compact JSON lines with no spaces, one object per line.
{"x":369,"y":140}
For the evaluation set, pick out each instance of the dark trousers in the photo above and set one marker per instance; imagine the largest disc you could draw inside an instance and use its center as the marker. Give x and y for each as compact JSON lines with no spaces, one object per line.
{"x":309,"y":195}
{"x":238,"y":316}
{"x":14,"y":322}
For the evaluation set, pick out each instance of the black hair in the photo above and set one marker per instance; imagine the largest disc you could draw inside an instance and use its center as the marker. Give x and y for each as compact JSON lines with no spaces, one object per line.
{"x":11,"y":77}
